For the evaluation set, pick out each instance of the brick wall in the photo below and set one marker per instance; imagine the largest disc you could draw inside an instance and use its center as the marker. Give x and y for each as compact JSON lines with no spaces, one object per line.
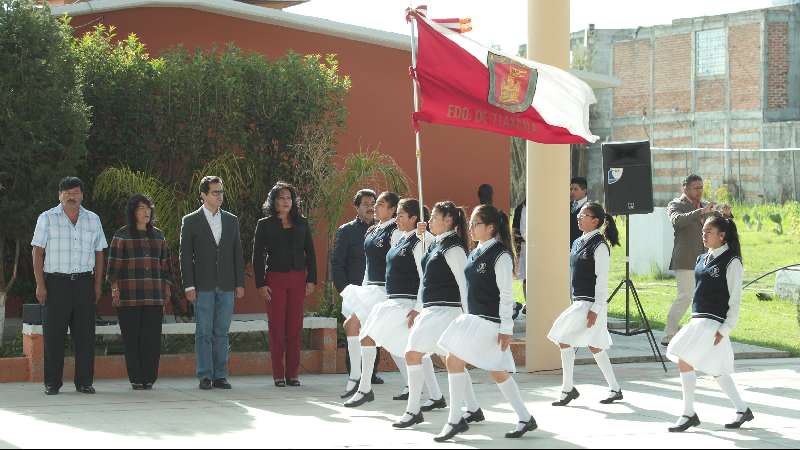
{"x":632,"y":67}
{"x":778,"y":65}
{"x":673,"y":73}
{"x":744,"y":48}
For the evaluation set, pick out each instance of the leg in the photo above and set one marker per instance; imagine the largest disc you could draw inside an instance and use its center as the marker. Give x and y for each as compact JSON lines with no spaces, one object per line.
{"x":743,"y":412}
{"x":56,"y":320}
{"x":457,"y":380}
{"x":352,"y":327}
{"x":129,"y":324}
{"x":434,"y":390}
{"x":511,"y":392}
{"x":416,"y":378}
{"x":471,"y":401}
{"x":689,"y":384}
{"x":277,"y":311}
{"x":152,"y":318}
{"x":604,"y":362}
{"x":294,"y":323}
{"x":368,"y":355}
{"x":685,"y":281}
{"x":568,"y":370}
{"x":223,"y":315}
{"x":83,"y":331}
{"x":400,"y":362}
{"x":204,"y":334}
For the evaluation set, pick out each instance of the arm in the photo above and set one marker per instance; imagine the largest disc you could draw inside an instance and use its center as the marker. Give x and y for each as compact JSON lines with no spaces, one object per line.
{"x":116,"y":254}
{"x":504,"y":271}
{"x":311,"y":257}
{"x":100,"y":244}
{"x":457,"y":260}
{"x":418,"y":255}
{"x":186,"y":255}
{"x":238,"y":256}
{"x":339,"y":259}
{"x":259,"y":253}
{"x":602,"y":263}
{"x":734,"y":275}
{"x":38,"y":272}
{"x":680,"y":219}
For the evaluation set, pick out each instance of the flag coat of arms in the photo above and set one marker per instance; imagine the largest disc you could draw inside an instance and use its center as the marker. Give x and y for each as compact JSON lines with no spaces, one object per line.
{"x":462,"y":83}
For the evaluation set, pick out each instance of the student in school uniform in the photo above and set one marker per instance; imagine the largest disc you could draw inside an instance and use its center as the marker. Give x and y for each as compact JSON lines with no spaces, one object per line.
{"x":585,"y":322}
{"x":442,"y":299}
{"x":358,"y":301}
{"x":388,"y":322}
{"x":704,"y":344}
{"x":482,"y":337}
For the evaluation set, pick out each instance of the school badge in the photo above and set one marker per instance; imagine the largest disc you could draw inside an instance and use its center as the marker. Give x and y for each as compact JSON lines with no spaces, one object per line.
{"x":482,"y":268}
{"x":511,"y":84}
{"x":714,"y":272}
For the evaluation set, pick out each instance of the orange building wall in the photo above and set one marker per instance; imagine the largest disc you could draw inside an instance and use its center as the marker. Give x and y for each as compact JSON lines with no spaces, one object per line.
{"x":456,"y":161}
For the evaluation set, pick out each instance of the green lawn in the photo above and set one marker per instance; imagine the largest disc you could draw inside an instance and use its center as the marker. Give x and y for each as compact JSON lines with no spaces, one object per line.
{"x":774,"y":323}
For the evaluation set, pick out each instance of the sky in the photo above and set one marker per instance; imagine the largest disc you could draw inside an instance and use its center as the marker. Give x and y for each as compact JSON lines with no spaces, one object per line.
{"x":506,"y":26}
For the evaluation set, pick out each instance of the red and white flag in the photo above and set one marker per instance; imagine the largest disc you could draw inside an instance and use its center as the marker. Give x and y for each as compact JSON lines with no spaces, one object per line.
{"x":464,"y":84}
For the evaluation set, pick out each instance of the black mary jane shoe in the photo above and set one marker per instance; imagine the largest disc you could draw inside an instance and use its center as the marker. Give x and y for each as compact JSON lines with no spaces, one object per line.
{"x":692,"y":422}
{"x":280,"y":383}
{"x":614,"y":396}
{"x":294,"y":383}
{"x":365,"y":398}
{"x":529,"y":426}
{"x":437,"y":404}
{"x":455,"y":429}
{"x":475,"y":417}
{"x":402,"y":397}
{"x":746,"y":416}
{"x":353,"y":391}
{"x":413,"y":420}
{"x":571,"y":395}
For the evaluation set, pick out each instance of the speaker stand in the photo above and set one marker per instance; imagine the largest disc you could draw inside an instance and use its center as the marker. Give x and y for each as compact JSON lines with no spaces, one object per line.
{"x":631,"y":292}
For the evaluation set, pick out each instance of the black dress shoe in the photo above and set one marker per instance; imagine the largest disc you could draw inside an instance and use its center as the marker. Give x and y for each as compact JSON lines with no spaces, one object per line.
{"x":365,"y":398}
{"x":437,"y":404}
{"x":475,"y":417}
{"x":455,"y":429}
{"x":377,"y":380}
{"x":205,"y":384}
{"x":402,"y":397}
{"x":280,"y":383}
{"x":613,"y":397}
{"x":746,"y":416}
{"x":85,"y":390}
{"x":137,"y":387}
{"x":353,"y":391}
{"x":529,"y":426}
{"x":413,"y":420}
{"x":222,"y":383}
{"x":571,"y":395}
{"x":48,"y":390}
{"x":692,"y":422}
{"x":293,"y":383}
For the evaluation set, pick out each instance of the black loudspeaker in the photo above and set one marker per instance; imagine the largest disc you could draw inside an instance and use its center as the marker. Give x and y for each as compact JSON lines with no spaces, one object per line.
{"x":628,"y":177}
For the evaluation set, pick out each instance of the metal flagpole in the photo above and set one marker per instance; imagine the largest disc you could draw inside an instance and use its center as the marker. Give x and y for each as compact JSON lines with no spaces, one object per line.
{"x":416,"y":129}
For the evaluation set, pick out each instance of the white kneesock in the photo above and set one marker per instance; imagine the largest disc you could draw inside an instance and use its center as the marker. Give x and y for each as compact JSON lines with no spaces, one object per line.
{"x":729,"y":388}
{"x":416,"y":378}
{"x":458,"y":382}
{"x":689,"y":384}
{"x":434,"y":391}
{"x":354,"y":350}
{"x":511,"y":393}
{"x":470,"y":400}
{"x":568,"y":368}
{"x":604,"y":362}
{"x":368,"y":355}
{"x":402,"y":367}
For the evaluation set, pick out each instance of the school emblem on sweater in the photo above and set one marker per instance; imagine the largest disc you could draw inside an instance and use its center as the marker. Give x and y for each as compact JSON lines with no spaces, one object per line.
{"x":403,"y":252}
{"x":714,"y":272}
{"x":379,"y":243}
{"x":511,"y":84}
{"x":482,"y":268}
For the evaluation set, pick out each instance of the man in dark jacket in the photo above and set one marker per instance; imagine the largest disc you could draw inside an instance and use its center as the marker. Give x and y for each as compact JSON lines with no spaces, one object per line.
{"x":348,"y":262}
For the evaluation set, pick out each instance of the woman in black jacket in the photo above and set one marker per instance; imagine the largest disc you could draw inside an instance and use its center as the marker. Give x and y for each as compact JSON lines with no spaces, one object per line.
{"x":284,"y":263}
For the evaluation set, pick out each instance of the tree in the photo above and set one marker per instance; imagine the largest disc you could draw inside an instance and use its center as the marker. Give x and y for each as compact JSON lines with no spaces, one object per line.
{"x":43,"y":124}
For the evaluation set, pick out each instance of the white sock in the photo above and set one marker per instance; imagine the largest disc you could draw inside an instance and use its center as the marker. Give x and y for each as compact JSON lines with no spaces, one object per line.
{"x":458,"y":383}
{"x":470,"y":401}
{"x":354,"y":350}
{"x":568,"y":369}
{"x":402,"y":367}
{"x":511,"y":393}
{"x":368,"y":355}
{"x":604,"y":363}
{"x":689,"y":383}
{"x":434,"y":390}
{"x":729,"y":388}
{"x":416,"y":378}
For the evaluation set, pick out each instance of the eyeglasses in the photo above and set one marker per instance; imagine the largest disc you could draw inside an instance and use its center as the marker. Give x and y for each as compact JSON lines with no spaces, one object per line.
{"x":583,"y":216}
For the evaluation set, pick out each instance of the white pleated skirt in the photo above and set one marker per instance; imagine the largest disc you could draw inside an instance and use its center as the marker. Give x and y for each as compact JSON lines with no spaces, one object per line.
{"x":474,"y":340}
{"x":387,"y":325}
{"x":429,"y":328}
{"x":694,"y":344}
{"x":360,"y":300}
{"x":570,"y":328}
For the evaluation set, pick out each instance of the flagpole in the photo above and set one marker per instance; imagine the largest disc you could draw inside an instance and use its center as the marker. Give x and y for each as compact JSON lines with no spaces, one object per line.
{"x":416,"y":129}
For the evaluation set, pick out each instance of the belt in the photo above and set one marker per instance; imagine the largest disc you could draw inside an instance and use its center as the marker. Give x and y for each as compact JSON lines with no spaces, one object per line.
{"x":70,"y":276}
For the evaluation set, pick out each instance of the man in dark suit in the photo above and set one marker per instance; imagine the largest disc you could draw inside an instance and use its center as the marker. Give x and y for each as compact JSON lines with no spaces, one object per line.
{"x":578,"y":196}
{"x":212,"y":269}
{"x":348,"y":261}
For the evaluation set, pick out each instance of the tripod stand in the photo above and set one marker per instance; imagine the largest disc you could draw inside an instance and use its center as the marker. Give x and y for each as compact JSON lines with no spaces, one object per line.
{"x":630,"y":291}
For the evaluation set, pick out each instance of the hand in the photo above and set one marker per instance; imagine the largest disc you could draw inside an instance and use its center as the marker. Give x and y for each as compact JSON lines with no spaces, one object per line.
{"x":191,"y":295}
{"x":709,"y":208}
{"x":265,"y":293}
{"x":717,"y":338}
{"x":167,"y":293}
{"x":422,"y":227}
{"x":591,"y":319}
{"x":412,"y":316}
{"x":726,"y":211}
{"x":504,"y":340}
{"x":115,"y":297}
{"x":239,"y":293}
{"x":41,"y":294}
{"x":98,"y":291}
{"x":310,"y":288}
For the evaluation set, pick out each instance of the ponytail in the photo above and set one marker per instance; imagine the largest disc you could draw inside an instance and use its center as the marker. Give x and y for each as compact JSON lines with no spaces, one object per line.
{"x":459,"y":216}
{"x":502,"y":228}
{"x":610,"y":233}
{"x":728,"y":226}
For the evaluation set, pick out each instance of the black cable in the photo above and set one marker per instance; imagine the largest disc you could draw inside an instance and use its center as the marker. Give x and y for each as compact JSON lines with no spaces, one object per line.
{"x":770,"y":273}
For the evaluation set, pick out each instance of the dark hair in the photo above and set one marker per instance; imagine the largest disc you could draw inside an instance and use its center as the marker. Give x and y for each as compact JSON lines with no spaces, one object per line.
{"x":269,"y":205}
{"x":68,"y":183}
{"x":490,"y":215}
{"x":363,"y":193}
{"x":691,"y":179}
{"x":207,"y":181}
{"x":130,"y":213}
{"x":485,"y":194}
{"x":580,"y":181}
{"x":410,"y":206}
{"x":611,"y":233}
{"x":727,"y":226}
{"x":392,"y":199}
{"x":459,"y":216}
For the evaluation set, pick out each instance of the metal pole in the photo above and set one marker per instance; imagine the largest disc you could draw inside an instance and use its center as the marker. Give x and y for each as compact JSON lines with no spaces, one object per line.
{"x":416,"y":131}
